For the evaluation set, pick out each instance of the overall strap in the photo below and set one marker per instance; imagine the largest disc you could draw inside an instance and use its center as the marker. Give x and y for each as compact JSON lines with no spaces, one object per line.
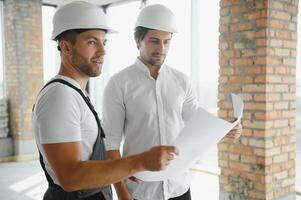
{"x":96,"y":148}
{"x":86,"y":99}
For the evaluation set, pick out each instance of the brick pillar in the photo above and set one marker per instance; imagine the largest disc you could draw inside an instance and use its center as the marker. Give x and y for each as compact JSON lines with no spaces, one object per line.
{"x":258,"y":62}
{"x":23,"y":67}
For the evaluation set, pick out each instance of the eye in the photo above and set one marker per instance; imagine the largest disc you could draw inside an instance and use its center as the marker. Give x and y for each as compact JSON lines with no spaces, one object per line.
{"x":91,"y":42}
{"x":155,"y":41}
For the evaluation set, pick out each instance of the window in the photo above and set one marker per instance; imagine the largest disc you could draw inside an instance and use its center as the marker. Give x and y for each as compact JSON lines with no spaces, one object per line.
{"x":51,"y":57}
{"x":205,"y":59}
{"x":205,"y":36}
{"x":121,"y":50}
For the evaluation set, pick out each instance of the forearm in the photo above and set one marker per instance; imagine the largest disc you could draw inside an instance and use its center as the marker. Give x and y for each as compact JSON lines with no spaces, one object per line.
{"x":93,"y":174}
{"x":74,"y":174}
{"x":120,"y":187}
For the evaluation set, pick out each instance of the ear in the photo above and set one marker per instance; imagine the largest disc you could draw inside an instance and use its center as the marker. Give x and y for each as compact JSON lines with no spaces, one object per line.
{"x":66,"y":47}
{"x":138,"y":44}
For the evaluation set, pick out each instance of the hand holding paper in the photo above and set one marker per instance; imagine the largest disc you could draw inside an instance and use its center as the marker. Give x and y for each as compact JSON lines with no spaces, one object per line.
{"x":200,"y":133}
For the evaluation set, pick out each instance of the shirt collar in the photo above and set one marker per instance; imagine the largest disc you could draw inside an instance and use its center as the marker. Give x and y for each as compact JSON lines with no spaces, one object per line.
{"x":145,"y":69}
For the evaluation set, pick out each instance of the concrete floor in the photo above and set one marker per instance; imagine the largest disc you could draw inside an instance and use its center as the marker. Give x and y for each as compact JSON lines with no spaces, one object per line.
{"x":21,"y":180}
{"x":26,"y":181}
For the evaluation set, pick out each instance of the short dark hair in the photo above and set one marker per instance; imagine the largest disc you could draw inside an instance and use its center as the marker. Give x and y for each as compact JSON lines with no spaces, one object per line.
{"x":140,"y":33}
{"x":70,"y":35}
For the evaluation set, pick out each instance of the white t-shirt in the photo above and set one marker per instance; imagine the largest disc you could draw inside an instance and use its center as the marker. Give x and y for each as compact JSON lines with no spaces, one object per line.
{"x":61,"y":115}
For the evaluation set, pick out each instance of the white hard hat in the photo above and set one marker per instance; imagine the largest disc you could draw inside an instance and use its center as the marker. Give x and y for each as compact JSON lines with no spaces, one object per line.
{"x":79,"y":15}
{"x":157,"y":17}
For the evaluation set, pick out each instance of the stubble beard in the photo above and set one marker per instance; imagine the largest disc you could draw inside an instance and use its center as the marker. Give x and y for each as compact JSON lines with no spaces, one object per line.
{"x":84,"y":68}
{"x":155,"y":62}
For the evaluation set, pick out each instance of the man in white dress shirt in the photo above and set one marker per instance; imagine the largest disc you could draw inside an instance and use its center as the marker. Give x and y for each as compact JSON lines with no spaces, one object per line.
{"x":147,"y":104}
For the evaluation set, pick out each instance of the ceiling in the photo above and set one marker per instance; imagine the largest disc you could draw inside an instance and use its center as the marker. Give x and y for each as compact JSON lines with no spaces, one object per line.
{"x":97,"y":2}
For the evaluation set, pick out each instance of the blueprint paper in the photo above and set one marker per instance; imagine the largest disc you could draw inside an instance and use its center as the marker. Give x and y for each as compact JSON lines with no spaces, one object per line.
{"x":200,"y":133}
{"x":238,"y":106}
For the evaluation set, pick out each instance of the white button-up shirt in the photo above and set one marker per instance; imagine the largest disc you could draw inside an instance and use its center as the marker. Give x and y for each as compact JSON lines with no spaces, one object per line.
{"x":146,"y":112}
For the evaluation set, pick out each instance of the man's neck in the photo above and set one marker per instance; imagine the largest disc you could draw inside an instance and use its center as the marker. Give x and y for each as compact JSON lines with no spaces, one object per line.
{"x":153,"y":70}
{"x":75,"y":75}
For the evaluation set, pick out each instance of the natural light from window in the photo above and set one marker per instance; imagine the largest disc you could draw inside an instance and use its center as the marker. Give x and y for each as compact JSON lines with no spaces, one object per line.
{"x":51,"y":58}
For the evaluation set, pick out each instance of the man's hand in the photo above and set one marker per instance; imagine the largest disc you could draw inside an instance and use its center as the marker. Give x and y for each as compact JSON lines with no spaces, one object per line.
{"x":122,"y":191}
{"x":157,"y":158}
{"x":235,"y":132}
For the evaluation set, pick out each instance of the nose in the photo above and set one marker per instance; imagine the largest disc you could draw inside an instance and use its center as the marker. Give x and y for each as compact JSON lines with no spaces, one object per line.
{"x":101,"y":49}
{"x":161,"y":47}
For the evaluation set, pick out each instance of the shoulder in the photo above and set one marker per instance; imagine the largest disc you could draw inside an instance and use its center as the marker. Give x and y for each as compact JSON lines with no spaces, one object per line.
{"x":58,"y":97}
{"x":177,"y":75}
{"x":59,"y":91}
{"x":124,"y":73}
{"x":58,"y":112}
{"x":123,"y":76}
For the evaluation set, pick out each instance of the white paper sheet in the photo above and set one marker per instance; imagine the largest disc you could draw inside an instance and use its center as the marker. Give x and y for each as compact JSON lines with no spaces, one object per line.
{"x":200,"y":133}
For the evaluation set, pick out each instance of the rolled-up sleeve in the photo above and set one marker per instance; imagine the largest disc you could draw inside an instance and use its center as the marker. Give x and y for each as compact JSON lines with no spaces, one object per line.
{"x":113,"y":115}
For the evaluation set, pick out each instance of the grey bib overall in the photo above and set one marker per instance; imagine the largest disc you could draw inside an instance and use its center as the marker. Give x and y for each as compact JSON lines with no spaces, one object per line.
{"x":56,"y":192}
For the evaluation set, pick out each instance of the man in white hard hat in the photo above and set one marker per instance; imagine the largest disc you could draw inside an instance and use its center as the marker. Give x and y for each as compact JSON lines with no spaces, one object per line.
{"x":66,"y":126}
{"x":147,"y":104}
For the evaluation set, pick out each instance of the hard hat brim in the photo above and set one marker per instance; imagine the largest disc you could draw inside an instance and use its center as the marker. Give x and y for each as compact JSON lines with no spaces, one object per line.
{"x":108,"y":31}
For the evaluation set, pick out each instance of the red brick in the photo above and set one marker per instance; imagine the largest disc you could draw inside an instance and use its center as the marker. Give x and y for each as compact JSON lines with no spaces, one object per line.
{"x":253,"y":88}
{"x":261,"y":42}
{"x":261,"y":33}
{"x":273,"y":151}
{"x":280,"y":15}
{"x":281,"y":105}
{"x":282,"y":52}
{"x":240,"y":27}
{"x":274,"y":61}
{"x":283,"y":35}
{"x":240,"y":166}
{"x":238,"y":79}
{"x":256,"y":15}
{"x":280,"y":70}
{"x":288,"y":148}
{"x":289,"y":62}
{"x":280,"y":158}
{"x":241,"y":150}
